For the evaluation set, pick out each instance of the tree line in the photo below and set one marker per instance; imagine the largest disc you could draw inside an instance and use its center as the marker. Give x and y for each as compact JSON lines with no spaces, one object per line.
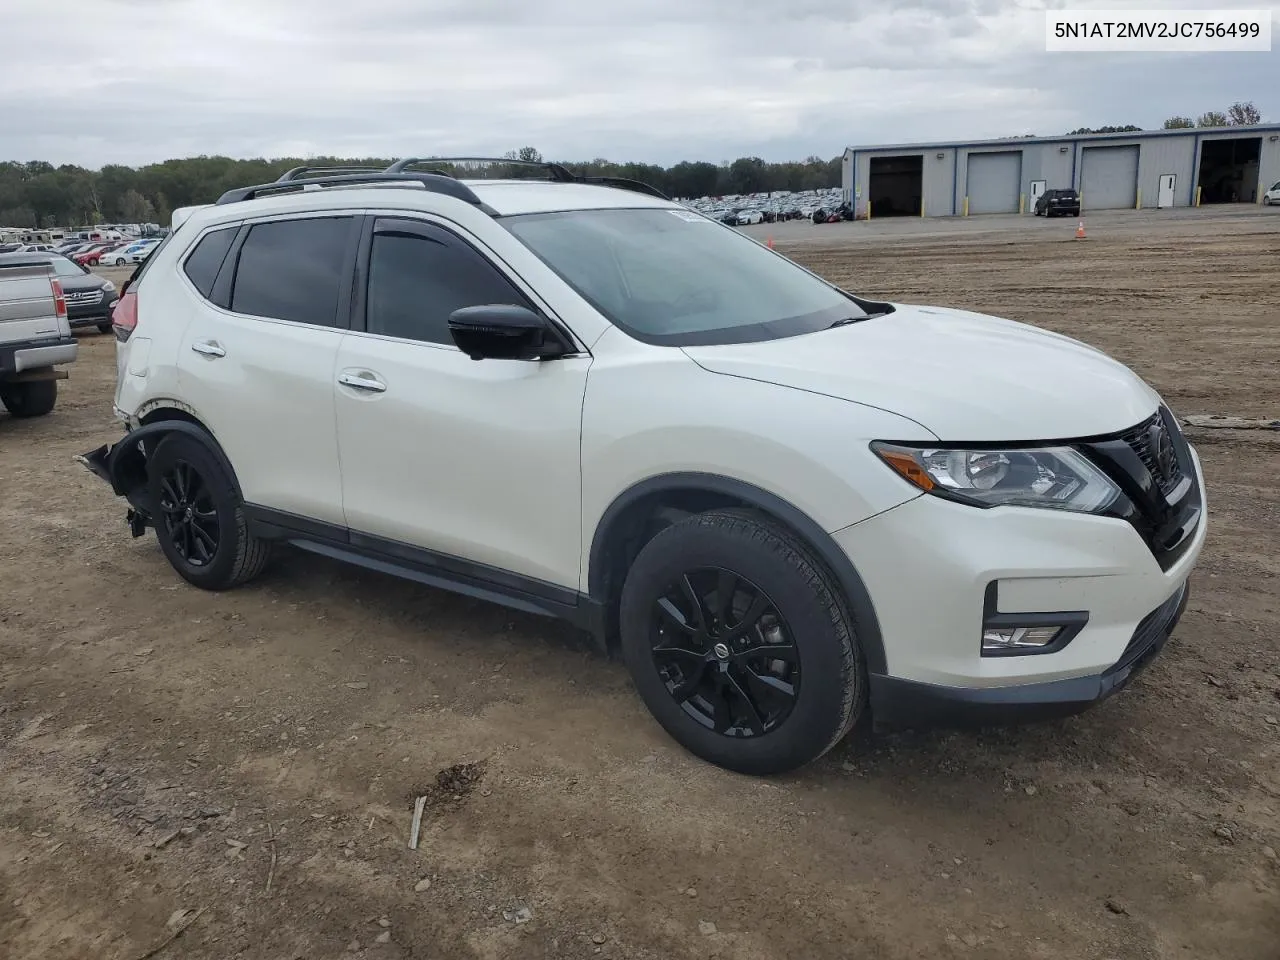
{"x":1241,"y":113}
{"x":38,"y":194}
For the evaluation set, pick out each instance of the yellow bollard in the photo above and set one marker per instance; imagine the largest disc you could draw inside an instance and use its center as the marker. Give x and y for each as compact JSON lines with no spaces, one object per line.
{"x":1197,"y":196}
{"x":1138,"y":205}
{"x":1022,"y":203}
{"x":966,"y":206}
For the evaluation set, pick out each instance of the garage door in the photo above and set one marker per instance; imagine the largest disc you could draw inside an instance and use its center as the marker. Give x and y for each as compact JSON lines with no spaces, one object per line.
{"x":993,"y":182}
{"x":1109,"y":178}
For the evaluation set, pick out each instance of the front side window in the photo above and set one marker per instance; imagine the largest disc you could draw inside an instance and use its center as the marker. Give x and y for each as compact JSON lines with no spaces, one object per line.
{"x":419,"y":274}
{"x":293,"y":270}
{"x":673,"y":277}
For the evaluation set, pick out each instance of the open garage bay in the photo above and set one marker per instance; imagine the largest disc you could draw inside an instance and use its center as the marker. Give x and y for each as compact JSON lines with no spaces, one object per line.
{"x":245,"y":763}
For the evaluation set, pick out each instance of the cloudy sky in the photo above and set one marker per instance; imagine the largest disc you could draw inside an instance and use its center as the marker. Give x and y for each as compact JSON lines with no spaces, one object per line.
{"x":136,"y":81}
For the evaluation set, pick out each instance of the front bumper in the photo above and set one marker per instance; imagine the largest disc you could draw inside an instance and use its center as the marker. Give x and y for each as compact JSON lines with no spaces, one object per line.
{"x":896,"y":702}
{"x":938,"y":571}
{"x":36,"y":354}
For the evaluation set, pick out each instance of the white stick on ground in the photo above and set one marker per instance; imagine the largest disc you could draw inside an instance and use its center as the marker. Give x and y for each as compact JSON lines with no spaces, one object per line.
{"x":419,"y":805}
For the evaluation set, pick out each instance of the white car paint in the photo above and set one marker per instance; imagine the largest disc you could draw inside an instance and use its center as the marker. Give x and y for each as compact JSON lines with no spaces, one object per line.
{"x":1272,"y":195}
{"x":513,"y":465}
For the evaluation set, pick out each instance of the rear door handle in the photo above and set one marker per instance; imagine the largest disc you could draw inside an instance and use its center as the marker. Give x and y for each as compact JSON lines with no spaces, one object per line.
{"x":208,"y":348}
{"x":362,"y":381}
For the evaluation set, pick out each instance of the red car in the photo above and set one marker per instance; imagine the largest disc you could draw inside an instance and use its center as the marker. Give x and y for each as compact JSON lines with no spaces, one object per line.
{"x":93,"y":256}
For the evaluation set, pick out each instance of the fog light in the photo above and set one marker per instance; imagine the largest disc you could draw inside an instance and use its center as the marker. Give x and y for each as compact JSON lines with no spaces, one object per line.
{"x":1018,"y":638}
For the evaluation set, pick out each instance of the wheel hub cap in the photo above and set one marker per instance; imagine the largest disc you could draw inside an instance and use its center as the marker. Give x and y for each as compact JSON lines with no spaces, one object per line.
{"x":724,"y":653}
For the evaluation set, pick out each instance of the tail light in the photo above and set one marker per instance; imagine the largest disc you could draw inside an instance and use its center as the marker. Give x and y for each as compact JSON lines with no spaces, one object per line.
{"x":59,"y":300}
{"x":124,"y":316}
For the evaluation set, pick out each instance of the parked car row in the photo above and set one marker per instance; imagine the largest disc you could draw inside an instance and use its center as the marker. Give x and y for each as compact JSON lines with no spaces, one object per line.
{"x":748,"y":209}
{"x":118,"y":253}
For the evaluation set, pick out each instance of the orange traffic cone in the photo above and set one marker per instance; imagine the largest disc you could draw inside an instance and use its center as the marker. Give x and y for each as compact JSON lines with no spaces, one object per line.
{"x":1080,"y":231}
{"x":770,"y":243}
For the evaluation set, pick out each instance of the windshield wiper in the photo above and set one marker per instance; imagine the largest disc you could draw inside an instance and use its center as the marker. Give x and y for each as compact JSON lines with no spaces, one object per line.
{"x":846,"y":321}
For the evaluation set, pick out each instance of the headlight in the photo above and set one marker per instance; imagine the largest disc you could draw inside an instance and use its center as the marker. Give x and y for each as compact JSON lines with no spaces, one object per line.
{"x":1055,"y":477}
{"x":108,"y":287}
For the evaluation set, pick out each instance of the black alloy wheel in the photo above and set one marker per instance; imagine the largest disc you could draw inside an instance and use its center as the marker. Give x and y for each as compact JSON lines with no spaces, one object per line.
{"x":720,"y":615}
{"x":196,"y":509}
{"x":724,"y":653}
{"x":189,"y":514}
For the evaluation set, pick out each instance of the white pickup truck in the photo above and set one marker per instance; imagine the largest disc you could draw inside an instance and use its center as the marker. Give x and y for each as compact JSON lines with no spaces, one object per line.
{"x":35,"y":337}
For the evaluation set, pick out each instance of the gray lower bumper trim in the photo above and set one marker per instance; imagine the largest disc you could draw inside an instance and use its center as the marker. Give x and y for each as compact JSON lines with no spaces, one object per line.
{"x":33,"y":358}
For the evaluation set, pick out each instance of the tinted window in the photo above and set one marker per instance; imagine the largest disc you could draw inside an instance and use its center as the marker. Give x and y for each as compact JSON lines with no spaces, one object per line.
{"x":416,"y":281}
{"x":206,"y":259}
{"x":292,"y":270}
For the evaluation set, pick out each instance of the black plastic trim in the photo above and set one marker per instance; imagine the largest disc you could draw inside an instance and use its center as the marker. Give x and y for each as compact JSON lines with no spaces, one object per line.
{"x":124,"y":464}
{"x":427,"y":566}
{"x":865,"y":622}
{"x":907,"y":703}
{"x":1071,"y":621}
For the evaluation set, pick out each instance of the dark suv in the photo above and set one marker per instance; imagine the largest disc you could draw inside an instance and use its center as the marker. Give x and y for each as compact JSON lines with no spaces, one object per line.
{"x":1051,"y":203}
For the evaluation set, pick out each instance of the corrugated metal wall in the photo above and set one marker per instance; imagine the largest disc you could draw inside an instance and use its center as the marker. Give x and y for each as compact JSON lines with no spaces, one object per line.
{"x":1059,"y":163}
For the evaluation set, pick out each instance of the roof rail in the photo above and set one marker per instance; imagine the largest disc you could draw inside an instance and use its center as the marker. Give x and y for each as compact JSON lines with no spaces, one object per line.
{"x":554,"y":170}
{"x":433,"y":182}
{"x":297,"y":172}
{"x":622,"y":183}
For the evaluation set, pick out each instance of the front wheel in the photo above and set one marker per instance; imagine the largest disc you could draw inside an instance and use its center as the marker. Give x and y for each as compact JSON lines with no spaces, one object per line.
{"x":739,"y":644}
{"x":32,"y":398}
{"x":120,"y":261}
{"x":199,"y":517}
{"x":104,"y":327}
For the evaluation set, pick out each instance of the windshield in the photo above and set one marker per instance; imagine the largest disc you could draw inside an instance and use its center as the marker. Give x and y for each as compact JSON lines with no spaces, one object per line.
{"x":676,"y":278}
{"x":65,"y":268}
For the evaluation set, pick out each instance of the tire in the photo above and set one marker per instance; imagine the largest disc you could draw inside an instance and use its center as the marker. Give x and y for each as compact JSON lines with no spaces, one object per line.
{"x":813,"y":650}
{"x":34,"y":398}
{"x":193,"y":499}
{"x":104,"y":327}
{"x":120,"y":261}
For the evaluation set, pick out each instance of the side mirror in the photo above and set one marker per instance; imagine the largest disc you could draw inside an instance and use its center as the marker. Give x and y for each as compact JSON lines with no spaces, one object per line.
{"x":504,"y":331}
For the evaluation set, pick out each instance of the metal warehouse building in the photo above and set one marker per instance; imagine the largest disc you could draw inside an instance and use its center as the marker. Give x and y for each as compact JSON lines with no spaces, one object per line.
{"x":1154,"y":168}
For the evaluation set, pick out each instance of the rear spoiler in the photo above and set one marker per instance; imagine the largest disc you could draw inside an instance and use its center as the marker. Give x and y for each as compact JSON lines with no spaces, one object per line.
{"x":182,"y":214}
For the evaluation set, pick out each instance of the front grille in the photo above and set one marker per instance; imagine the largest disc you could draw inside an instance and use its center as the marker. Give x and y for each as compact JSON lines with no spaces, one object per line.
{"x":1150,"y":440}
{"x":84,"y":296}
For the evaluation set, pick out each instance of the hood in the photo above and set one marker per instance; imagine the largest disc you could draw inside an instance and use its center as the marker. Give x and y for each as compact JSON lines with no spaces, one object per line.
{"x":963,"y":376}
{"x":89,"y":281}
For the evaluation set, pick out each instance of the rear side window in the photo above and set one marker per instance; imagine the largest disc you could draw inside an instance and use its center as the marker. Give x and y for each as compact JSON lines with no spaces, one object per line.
{"x":205,"y":261}
{"x":293,"y":270}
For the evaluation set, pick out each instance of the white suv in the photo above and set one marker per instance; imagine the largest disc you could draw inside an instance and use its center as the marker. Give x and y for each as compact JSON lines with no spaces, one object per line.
{"x":789,"y":505}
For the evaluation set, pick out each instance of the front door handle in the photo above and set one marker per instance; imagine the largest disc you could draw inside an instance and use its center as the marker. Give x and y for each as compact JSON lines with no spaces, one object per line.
{"x":362,"y":381}
{"x":208,"y":348}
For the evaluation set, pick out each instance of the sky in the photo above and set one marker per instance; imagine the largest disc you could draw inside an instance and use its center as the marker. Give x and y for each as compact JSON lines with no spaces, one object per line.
{"x":93,"y":82}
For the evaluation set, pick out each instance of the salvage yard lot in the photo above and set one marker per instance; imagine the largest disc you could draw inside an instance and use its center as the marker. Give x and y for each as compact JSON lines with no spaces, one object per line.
{"x":254,"y":755}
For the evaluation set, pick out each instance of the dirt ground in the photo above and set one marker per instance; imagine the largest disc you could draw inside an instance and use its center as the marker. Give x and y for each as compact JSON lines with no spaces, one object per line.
{"x":239,"y":769}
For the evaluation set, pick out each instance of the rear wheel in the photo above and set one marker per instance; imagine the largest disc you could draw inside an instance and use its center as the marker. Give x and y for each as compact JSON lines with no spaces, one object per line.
{"x":33,"y":398}
{"x":199,"y":517}
{"x":739,"y":644}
